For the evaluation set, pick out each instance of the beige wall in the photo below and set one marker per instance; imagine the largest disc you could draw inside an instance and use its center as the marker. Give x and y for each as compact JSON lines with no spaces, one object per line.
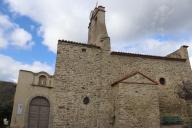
{"x":27,"y":89}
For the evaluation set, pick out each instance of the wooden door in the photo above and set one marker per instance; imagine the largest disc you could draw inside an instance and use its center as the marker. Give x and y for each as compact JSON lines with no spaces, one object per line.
{"x":39,"y":113}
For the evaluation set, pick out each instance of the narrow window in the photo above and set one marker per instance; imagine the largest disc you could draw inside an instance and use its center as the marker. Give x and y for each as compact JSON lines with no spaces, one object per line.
{"x":83,"y":50}
{"x":162,"y":81}
{"x":42,"y":80}
{"x":86,"y":100}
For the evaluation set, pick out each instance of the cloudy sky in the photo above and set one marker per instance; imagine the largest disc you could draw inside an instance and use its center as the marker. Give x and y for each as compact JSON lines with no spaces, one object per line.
{"x":29,"y":29}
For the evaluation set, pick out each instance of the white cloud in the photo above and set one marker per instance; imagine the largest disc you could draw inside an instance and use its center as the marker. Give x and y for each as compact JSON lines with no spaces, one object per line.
{"x":20,"y":37}
{"x":140,"y":19}
{"x":58,"y":19}
{"x":3,"y":42}
{"x":127,"y":20}
{"x":12,"y":34}
{"x":4,"y":22}
{"x":9,"y":68}
{"x":190,"y":58}
{"x":153,"y":47}
{"x":150,"y":46}
{"x":132,"y":25}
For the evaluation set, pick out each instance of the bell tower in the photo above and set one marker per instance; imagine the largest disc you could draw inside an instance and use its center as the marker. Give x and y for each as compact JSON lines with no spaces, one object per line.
{"x":97,"y":29}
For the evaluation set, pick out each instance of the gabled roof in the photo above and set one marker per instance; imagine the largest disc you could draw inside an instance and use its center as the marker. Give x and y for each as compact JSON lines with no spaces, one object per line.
{"x":136,"y":78}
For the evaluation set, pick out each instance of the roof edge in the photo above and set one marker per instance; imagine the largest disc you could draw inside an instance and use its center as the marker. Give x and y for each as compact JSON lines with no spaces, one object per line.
{"x":78,"y":43}
{"x":36,"y":73}
{"x":146,"y":56}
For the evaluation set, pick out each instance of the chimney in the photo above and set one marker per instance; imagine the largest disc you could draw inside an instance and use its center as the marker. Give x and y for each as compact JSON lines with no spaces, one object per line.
{"x":184,"y":52}
{"x":181,"y":53}
{"x":97,"y":29}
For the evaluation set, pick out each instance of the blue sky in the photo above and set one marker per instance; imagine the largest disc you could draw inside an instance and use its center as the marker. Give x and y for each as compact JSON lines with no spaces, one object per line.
{"x":29,"y":30}
{"x":38,"y":51}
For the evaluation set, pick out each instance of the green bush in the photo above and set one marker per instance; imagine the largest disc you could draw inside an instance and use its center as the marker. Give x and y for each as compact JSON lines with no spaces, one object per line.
{"x":171,"y":120}
{"x":7,"y":91}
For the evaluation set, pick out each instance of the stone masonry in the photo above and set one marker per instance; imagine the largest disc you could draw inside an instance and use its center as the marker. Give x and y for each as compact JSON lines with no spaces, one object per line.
{"x":94,"y":87}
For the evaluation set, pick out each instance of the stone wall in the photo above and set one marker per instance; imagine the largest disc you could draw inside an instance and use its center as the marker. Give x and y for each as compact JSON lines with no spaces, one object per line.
{"x":82,"y":95}
{"x":77,"y":76}
{"x":116,"y":67}
{"x":90,"y":72}
{"x":136,"y":105}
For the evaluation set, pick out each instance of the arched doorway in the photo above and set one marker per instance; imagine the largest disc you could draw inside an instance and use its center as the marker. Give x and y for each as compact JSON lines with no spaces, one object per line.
{"x":39,"y":113}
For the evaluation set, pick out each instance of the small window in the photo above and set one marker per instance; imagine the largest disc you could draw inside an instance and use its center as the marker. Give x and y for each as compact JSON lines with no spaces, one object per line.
{"x":83,"y":50}
{"x":42,"y":80}
{"x":162,"y":81}
{"x":86,"y":100}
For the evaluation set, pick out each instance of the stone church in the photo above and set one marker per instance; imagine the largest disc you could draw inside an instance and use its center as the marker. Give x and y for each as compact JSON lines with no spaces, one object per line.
{"x":94,"y":87}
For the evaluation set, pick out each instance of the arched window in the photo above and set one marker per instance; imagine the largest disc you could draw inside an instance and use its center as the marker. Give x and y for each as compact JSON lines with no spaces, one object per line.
{"x":42,"y":80}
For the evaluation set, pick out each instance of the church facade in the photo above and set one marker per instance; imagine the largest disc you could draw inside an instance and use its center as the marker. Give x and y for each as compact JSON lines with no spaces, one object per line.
{"x":94,"y":87}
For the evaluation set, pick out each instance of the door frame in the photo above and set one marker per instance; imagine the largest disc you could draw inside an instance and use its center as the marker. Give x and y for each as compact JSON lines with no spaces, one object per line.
{"x":26,"y":116}
{"x":39,"y":106}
